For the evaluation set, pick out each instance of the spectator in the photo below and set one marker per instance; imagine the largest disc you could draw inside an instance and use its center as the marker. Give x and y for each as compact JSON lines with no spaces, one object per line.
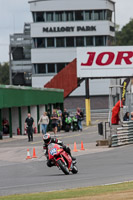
{"x":44,"y":121}
{"x":59,"y":113}
{"x":64,"y":116}
{"x":54,"y":121}
{"x":131,"y":115}
{"x":79,"y":115}
{"x":126,"y":117}
{"x":115,"y":112}
{"x":29,"y":124}
{"x":49,"y":116}
{"x":5,"y":125}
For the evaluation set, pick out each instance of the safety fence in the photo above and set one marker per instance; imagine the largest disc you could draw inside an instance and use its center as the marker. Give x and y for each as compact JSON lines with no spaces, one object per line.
{"x":123,"y":135}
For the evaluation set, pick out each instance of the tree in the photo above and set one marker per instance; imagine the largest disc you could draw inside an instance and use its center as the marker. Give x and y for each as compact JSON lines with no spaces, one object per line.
{"x":4,"y":74}
{"x":125,"y":36}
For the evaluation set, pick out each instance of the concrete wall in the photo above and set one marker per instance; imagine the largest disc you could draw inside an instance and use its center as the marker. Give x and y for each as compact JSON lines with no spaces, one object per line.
{"x":15,"y":120}
{"x":41,"y":109}
{"x":24,"y":112}
{"x":59,"y":55}
{"x":70,"y":5}
{"x":38,"y":81}
{"x":96,"y":102}
{"x":5,"y":113}
{"x":102,"y":28}
{"x":97,"y":86}
{"x":34,"y":114}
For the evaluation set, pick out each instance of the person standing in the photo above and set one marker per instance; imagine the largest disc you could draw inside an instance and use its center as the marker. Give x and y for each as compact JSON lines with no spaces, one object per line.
{"x":64,"y":116}
{"x":79,"y":115}
{"x":54,"y":121}
{"x":59,"y":113}
{"x":49,"y":116}
{"x":5,"y":125}
{"x":126,"y":117}
{"x":29,"y":124}
{"x":115,"y":118}
{"x":44,"y":121}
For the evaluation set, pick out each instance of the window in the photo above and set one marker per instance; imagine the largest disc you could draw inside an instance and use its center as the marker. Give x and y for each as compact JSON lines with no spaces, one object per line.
{"x":60,"y":66}
{"x":51,"y":68}
{"x":40,"y":17}
{"x":59,"y":16}
{"x":41,"y":68}
{"x":34,"y":69}
{"x":40,"y":42}
{"x":34,"y":16}
{"x":109,"y":15}
{"x":110,"y":40}
{"x":78,"y":15}
{"x":60,"y":42}
{"x":69,"y":42}
{"x":88,"y":15}
{"x":34,"y":43}
{"x":99,"y":41}
{"x":89,"y":41}
{"x":50,"y":42}
{"x":98,"y":15}
{"x":79,"y":41}
{"x":49,"y":16}
{"x":69,"y":16}
{"x":112,"y":28}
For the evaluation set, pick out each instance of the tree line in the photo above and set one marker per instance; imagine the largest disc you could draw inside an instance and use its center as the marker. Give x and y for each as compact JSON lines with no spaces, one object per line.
{"x":4,"y":73}
{"x":124,"y":37}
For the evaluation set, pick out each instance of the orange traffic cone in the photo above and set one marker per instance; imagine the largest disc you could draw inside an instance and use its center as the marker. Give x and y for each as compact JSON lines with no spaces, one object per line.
{"x":34,"y":153}
{"x":28,"y":154}
{"x":82,"y":146}
{"x":75,"y":147}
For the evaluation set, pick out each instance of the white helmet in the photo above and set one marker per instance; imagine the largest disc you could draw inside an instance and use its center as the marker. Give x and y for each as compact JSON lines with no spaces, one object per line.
{"x":47,"y":138}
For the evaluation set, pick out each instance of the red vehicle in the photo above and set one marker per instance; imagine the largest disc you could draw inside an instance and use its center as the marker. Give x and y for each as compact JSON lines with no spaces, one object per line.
{"x":61,"y":159}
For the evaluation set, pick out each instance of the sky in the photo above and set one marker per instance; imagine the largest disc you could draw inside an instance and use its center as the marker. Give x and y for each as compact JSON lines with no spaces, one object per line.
{"x":14,"y":13}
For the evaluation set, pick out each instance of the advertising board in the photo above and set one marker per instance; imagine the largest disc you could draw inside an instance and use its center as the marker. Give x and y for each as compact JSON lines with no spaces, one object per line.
{"x":105,"y":62}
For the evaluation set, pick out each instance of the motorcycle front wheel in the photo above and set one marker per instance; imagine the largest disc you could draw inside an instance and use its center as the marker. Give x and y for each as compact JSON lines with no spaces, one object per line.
{"x":74,"y":169}
{"x":63,"y":167}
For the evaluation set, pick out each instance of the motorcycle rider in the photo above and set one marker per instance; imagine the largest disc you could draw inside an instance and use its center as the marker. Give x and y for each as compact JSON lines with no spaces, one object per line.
{"x":47,"y":140}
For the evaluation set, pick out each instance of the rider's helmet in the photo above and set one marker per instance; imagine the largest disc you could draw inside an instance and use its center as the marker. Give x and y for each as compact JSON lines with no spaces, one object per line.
{"x":47,"y":138}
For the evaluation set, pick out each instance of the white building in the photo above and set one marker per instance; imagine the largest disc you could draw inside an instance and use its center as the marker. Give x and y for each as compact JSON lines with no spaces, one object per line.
{"x":59,"y":26}
{"x":20,"y":57}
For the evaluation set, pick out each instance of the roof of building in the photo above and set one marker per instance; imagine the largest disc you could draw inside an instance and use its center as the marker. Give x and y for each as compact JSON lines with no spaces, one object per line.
{"x":60,"y":0}
{"x":17,"y":96}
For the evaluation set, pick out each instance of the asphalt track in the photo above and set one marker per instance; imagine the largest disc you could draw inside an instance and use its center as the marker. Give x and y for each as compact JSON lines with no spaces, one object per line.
{"x":97,"y":165}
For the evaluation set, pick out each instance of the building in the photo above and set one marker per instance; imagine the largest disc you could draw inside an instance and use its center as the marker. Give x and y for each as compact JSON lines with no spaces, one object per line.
{"x":59,"y":26}
{"x":49,"y":43}
{"x":27,"y":99}
{"x":20,"y":57}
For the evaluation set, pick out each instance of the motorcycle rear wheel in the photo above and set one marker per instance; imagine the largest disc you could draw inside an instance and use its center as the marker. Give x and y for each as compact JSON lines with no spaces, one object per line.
{"x":63,"y":167}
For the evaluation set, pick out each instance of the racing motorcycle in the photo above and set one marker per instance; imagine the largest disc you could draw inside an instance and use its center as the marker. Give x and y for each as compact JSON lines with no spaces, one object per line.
{"x":61,"y":159}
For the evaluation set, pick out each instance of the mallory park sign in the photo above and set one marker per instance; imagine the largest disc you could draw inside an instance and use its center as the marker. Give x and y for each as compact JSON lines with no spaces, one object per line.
{"x":105,"y":62}
{"x":69,"y":29}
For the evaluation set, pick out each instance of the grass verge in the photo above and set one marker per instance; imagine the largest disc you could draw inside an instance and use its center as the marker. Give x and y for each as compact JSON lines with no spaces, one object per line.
{"x":75,"y":193}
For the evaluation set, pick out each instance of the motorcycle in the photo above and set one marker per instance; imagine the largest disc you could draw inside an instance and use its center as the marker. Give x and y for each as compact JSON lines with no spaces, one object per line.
{"x":74,"y":123}
{"x":61,"y":159}
{"x":68,"y":122}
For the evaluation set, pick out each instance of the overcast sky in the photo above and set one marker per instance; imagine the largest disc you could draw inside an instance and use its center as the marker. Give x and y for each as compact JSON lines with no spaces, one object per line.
{"x":13,"y":14}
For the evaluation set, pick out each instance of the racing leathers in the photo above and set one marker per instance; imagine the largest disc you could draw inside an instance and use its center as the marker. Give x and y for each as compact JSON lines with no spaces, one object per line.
{"x":56,"y":141}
